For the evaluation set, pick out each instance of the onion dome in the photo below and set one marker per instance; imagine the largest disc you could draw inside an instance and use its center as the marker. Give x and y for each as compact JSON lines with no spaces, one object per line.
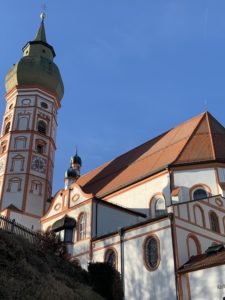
{"x":76,"y":160}
{"x":36,"y":67}
{"x":71,"y":173}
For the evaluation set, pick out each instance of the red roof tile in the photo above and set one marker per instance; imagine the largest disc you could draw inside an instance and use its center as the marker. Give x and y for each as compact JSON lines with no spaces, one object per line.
{"x":203,"y":261}
{"x":198,"y":140}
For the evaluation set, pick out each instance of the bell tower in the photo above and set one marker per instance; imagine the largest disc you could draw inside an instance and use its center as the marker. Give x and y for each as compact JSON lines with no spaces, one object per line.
{"x":34,"y":89}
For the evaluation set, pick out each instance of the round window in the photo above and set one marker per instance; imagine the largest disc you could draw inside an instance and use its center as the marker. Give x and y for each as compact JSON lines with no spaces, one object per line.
{"x":44,"y":105}
{"x":151,"y":253}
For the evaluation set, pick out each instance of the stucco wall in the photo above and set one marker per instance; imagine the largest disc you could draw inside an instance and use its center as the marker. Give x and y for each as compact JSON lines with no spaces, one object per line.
{"x":207,"y":284}
{"x":139,"y":282}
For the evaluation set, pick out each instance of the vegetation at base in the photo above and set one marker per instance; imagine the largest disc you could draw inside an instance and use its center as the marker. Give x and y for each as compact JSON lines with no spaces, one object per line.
{"x":106,"y":281}
{"x":31,"y":272}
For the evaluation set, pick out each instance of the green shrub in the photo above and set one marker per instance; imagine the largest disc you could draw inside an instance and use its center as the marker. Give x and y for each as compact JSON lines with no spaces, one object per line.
{"x":51,"y":242}
{"x":106,"y":281}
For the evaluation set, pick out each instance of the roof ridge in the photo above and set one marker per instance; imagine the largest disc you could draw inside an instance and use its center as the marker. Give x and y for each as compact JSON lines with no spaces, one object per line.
{"x":150,"y":140}
{"x":210,"y":134}
{"x":190,"y":137}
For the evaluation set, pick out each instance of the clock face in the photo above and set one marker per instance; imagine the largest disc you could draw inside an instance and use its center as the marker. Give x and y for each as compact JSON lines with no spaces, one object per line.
{"x":38,"y":164}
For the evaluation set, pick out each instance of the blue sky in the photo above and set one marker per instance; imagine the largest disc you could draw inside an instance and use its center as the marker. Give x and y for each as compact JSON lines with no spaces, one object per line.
{"x":131,"y":69}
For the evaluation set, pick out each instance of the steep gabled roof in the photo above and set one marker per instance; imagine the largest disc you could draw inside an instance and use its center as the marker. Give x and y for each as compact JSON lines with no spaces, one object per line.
{"x":200,"y":139}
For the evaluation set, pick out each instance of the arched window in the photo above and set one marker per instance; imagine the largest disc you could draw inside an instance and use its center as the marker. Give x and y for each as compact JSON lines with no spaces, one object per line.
{"x":157,"y":206}
{"x":160,"y":207}
{"x":199,"y":216}
{"x":42,"y":127}
{"x":40,"y":146}
{"x":214,"y":222}
{"x":111,"y":258}
{"x":199,"y":193}
{"x":7,"y":128}
{"x":81,"y":227}
{"x":151,"y":253}
{"x":36,"y":187}
{"x":193,"y":245}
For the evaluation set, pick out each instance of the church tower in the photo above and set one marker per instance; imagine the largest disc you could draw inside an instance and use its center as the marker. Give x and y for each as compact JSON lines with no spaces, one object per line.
{"x":34,"y":89}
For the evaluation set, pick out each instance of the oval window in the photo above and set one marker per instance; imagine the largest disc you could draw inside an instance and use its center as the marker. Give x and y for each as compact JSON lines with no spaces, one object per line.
{"x":44,"y":105}
{"x":151,"y":253}
{"x":26,"y":102}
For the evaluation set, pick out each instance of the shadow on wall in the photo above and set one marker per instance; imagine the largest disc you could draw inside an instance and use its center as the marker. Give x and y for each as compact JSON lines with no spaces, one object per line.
{"x":141,"y":284}
{"x":206,"y":285}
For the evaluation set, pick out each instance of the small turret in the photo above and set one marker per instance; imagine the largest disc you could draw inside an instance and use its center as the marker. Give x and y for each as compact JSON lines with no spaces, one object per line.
{"x":73,"y":173}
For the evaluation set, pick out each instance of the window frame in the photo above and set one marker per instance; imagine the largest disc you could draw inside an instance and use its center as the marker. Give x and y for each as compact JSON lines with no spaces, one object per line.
{"x":152,"y":205}
{"x":39,"y":129}
{"x":213,"y":213}
{"x":146,"y":263}
{"x":199,"y":186}
{"x":81,"y":215}
{"x":106,"y":256}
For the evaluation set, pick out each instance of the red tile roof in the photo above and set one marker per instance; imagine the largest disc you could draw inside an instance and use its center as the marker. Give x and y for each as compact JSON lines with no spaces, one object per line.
{"x":200,"y":139}
{"x":203,"y":261}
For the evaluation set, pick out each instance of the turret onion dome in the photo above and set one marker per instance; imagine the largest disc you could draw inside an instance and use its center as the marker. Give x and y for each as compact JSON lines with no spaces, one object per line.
{"x":71,"y":173}
{"x":36,"y":67}
{"x":76,"y":160}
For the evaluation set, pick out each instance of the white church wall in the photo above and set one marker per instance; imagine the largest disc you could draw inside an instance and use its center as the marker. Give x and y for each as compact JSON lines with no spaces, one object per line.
{"x":221,"y":172}
{"x":204,"y":236}
{"x":77,"y":247}
{"x":138,"y":197}
{"x":158,"y":284}
{"x":35,"y":200}
{"x":197,"y":212}
{"x":207,"y":284}
{"x":186,"y":179}
{"x":13,"y":191}
{"x":27,"y":221}
{"x":110,"y":219}
{"x":140,"y":283}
